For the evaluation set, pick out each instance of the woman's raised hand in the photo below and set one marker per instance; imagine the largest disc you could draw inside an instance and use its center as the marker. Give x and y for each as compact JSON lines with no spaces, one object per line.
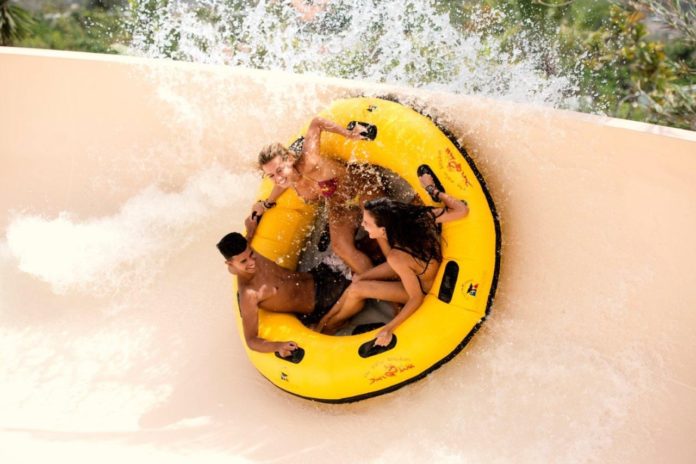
{"x":358,"y":132}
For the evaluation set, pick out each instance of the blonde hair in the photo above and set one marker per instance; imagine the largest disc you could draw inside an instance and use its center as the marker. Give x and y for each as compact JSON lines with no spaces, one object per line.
{"x":271,"y":151}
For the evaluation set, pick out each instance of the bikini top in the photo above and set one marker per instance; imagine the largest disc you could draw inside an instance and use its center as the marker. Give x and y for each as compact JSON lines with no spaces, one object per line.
{"x":422,"y":273}
{"x":328,"y":187}
{"x":418,"y":276}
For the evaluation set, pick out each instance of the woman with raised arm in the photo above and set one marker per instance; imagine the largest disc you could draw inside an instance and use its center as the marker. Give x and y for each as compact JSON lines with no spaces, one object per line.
{"x":344,"y":186}
{"x":410,"y":236}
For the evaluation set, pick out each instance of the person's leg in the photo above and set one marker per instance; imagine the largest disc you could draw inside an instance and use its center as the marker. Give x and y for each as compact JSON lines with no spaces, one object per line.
{"x":328,"y":317}
{"x":353,"y":300}
{"x":343,"y":224}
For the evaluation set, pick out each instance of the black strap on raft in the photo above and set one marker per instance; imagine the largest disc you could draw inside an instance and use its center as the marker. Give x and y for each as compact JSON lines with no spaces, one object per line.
{"x":425,"y":169}
{"x":295,"y":357}
{"x":368,"y":349}
{"x":364,"y":328}
{"x":370,"y":132}
{"x":297,"y":145}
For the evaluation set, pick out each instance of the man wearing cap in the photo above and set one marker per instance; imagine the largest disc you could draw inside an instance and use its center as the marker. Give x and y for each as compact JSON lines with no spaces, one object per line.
{"x":264,"y":284}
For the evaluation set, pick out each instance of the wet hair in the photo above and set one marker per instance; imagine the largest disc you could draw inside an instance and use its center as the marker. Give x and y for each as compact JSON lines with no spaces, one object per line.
{"x":271,"y":151}
{"x":232,"y":245}
{"x":410,"y":228}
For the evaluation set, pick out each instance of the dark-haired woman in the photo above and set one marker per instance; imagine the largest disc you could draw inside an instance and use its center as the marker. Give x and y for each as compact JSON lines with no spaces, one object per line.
{"x":410,"y":237}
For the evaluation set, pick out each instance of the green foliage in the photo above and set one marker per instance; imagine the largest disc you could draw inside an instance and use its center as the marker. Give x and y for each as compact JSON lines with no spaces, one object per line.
{"x":621,"y":70}
{"x":15,"y":23}
{"x":677,"y":15}
{"x":95,"y":30}
{"x":106,"y":4}
{"x":631,"y":76}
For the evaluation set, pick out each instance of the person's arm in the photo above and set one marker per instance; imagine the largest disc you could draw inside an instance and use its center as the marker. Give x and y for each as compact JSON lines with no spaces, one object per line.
{"x":454,"y":208}
{"x":318,"y":125}
{"x":260,"y":207}
{"x":250,"y":224}
{"x":380,"y":272}
{"x":248,"y":303}
{"x":399,"y":261}
{"x":270,"y":202}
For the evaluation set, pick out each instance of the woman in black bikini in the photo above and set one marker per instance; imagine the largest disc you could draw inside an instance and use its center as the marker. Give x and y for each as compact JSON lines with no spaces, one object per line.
{"x":410,"y":237}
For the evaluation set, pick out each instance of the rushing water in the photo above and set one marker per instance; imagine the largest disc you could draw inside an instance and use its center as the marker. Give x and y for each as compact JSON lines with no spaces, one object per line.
{"x":116,"y":336}
{"x":410,"y":43}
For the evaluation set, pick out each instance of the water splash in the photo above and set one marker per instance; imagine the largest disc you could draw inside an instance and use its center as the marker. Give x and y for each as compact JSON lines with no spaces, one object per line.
{"x":107,"y":254}
{"x":395,"y":42}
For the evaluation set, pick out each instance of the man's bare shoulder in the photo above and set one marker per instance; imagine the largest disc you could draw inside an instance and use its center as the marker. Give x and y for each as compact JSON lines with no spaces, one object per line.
{"x":248,"y":294}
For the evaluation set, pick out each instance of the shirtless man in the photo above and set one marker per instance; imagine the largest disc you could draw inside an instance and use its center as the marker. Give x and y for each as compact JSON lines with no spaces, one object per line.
{"x":344,"y":187}
{"x":264,"y":284}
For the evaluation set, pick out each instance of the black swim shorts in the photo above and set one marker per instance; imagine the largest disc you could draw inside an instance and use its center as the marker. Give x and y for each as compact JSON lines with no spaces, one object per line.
{"x":329,"y":285}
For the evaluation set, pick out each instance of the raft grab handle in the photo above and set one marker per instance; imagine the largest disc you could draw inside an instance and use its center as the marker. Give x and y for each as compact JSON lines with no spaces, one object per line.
{"x":297,"y":145}
{"x":370,"y":132}
{"x":295,"y":356}
{"x":425,"y":169}
{"x":368,"y":349}
{"x":449,"y":282}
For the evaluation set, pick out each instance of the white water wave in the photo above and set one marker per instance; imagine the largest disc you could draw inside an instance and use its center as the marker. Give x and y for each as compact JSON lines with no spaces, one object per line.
{"x":102,"y":255}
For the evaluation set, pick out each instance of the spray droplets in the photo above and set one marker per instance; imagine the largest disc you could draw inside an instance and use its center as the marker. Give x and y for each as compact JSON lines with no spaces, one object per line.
{"x":392,"y":41}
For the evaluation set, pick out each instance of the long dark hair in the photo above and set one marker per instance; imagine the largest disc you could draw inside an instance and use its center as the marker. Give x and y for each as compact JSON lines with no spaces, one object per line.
{"x":410,"y":228}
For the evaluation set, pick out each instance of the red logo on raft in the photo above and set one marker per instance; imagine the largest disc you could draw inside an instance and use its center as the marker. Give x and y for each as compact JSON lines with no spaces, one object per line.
{"x":455,"y":165}
{"x":391,"y":371}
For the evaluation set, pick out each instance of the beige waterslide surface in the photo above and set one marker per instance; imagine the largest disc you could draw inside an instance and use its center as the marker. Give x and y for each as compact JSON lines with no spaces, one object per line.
{"x":117,"y":338}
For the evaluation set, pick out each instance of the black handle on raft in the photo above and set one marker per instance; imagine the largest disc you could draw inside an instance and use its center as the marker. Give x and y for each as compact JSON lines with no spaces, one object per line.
{"x":295,"y":357}
{"x":297,"y":145}
{"x":364,"y":328}
{"x":425,"y":169}
{"x":368,"y":349}
{"x":449,"y":282}
{"x":370,"y":132}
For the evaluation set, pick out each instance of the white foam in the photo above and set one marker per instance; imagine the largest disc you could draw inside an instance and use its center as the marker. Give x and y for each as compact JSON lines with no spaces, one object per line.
{"x":24,"y":448}
{"x":55,"y":380}
{"x":107,"y":253}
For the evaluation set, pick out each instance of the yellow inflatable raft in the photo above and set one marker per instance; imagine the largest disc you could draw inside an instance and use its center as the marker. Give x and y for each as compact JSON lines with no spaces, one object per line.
{"x":349,"y":368}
